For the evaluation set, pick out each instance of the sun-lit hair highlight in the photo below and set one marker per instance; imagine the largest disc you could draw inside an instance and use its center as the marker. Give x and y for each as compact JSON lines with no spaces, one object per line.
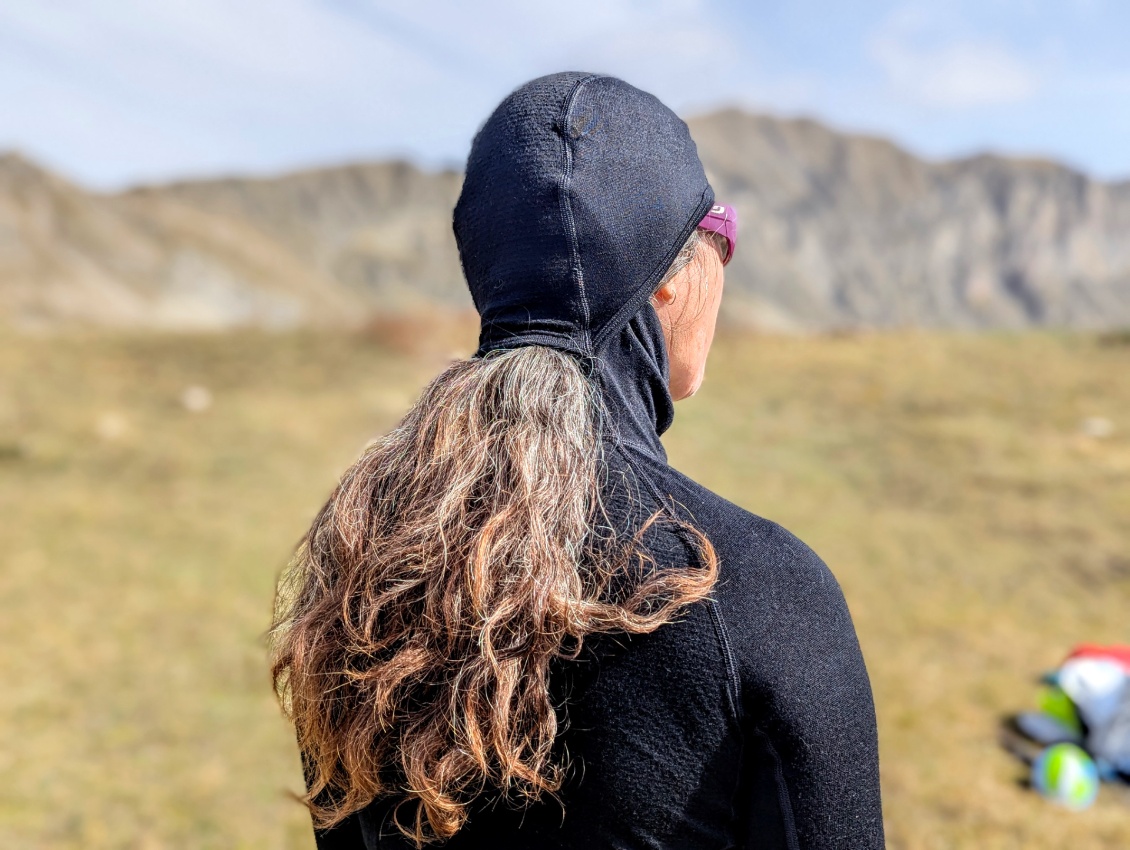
{"x":456,"y":560}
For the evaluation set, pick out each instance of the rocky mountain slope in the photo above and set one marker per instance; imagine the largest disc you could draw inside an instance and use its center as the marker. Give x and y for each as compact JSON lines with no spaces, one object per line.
{"x":837,"y":231}
{"x":841,"y":230}
{"x":70,"y":256}
{"x":381,"y":230}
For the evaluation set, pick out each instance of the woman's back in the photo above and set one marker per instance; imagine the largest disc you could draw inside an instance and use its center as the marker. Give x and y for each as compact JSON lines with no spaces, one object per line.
{"x":748,"y":722}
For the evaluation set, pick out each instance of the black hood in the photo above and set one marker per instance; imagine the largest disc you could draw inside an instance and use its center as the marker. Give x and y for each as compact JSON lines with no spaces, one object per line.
{"x":579,"y":192}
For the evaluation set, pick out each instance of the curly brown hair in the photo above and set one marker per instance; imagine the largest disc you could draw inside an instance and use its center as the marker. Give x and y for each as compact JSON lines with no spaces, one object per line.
{"x":457,"y":558}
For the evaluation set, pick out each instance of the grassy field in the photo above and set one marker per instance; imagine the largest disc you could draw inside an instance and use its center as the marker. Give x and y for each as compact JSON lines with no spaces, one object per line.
{"x":978,"y":526}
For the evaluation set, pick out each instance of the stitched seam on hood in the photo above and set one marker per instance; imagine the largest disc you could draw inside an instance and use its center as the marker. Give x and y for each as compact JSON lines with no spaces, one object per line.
{"x":634,"y":304}
{"x":564,"y":188}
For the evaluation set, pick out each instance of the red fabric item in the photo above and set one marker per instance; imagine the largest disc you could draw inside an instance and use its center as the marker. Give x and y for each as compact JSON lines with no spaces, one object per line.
{"x":1115,"y":652}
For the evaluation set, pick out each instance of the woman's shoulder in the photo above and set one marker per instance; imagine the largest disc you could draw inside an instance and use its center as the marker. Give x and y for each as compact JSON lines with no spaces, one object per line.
{"x":775,"y":598}
{"x":741,"y":538}
{"x":770,"y":582}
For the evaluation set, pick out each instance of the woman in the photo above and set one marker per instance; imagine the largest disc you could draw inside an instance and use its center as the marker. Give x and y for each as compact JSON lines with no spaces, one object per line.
{"x":513,"y":625}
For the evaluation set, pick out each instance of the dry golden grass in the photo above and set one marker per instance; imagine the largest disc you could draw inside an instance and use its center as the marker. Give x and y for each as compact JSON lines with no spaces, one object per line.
{"x":976,"y":530}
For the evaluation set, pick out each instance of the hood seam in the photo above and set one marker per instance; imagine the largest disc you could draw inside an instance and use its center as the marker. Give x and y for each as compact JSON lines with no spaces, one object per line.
{"x":636,"y":303}
{"x":564,"y":188}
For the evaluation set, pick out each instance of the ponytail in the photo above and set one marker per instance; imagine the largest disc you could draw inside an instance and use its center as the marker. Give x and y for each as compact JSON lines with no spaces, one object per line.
{"x":457,"y":558}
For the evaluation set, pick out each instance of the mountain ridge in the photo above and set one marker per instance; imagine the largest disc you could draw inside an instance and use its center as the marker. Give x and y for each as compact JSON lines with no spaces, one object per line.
{"x":838,"y":230}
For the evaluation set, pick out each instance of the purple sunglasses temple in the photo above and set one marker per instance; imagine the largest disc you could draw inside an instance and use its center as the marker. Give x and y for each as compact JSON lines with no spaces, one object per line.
{"x":723,"y":220}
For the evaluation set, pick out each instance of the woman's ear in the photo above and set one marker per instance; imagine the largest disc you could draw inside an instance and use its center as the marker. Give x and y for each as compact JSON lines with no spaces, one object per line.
{"x":665,"y":295}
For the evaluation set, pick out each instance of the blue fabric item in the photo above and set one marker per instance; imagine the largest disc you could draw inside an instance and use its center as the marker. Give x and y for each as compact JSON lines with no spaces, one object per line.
{"x":749,"y":721}
{"x":1045,"y":729}
{"x":1110,"y":742}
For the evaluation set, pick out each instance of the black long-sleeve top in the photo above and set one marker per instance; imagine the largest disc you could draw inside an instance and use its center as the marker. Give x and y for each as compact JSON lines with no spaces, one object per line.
{"x":747,"y":723}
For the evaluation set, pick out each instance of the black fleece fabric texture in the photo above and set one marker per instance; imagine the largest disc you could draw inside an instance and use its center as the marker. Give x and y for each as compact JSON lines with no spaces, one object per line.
{"x":748,"y":722}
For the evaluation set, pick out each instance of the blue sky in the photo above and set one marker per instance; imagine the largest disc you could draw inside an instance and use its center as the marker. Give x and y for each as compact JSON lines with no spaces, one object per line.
{"x":114,"y":92}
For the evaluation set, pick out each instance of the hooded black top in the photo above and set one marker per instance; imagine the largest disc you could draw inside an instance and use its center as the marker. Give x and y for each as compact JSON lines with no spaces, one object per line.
{"x":749,"y":721}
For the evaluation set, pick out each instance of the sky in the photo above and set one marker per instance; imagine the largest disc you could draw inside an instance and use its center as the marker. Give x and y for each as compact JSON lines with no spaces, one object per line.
{"x":118,"y":92}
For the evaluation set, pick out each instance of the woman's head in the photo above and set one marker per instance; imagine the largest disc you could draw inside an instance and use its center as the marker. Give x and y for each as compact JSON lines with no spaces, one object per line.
{"x":579,"y":193}
{"x":583,"y":198}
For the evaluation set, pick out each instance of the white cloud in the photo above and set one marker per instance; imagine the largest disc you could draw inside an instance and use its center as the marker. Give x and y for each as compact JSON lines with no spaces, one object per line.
{"x":125,"y":90}
{"x":957,"y":75}
{"x":675,"y":48}
{"x":954,"y":71}
{"x":132,"y":89}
